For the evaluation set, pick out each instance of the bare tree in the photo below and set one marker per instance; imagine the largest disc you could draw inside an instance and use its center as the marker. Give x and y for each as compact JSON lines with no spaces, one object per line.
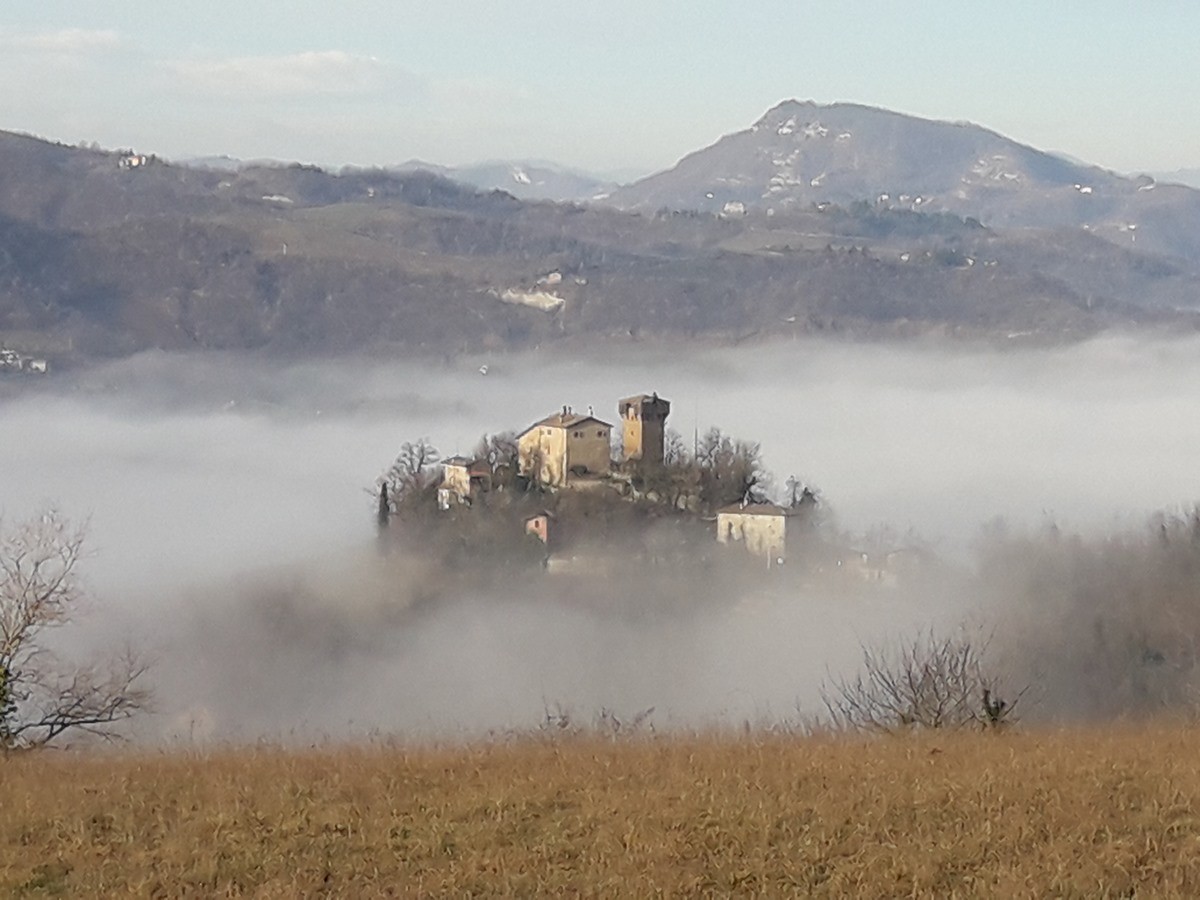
{"x":675,"y":452}
{"x":930,"y":682}
{"x":41,"y":695}
{"x":411,"y":470}
{"x":417,"y":457}
{"x":730,"y":470}
{"x":501,"y":452}
{"x":800,"y":495}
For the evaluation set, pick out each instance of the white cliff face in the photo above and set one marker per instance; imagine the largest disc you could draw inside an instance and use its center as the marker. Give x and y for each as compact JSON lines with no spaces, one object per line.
{"x":542,"y":300}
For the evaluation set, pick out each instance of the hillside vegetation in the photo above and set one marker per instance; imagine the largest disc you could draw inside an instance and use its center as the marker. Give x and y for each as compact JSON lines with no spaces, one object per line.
{"x":1067,"y":814}
{"x":107,"y":259}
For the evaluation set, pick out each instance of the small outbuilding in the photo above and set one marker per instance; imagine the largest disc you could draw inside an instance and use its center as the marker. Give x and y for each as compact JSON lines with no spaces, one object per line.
{"x":463,"y":478}
{"x":760,"y":527}
{"x":539,"y":526}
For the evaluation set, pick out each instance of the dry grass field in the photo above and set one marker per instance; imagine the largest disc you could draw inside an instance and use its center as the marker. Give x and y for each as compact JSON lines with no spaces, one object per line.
{"x":1112,"y":813}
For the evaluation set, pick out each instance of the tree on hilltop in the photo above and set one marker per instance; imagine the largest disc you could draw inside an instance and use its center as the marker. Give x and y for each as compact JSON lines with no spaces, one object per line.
{"x":411,"y":472}
{"x":731,"y":470}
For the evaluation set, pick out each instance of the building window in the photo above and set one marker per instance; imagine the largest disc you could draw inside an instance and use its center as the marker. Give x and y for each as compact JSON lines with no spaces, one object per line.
{"x":599,"y":434}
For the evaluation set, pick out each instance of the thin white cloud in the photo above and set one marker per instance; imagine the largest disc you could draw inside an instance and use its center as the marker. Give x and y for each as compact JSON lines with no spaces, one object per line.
{"x":70,"y":41}
{"x":326,"y":72}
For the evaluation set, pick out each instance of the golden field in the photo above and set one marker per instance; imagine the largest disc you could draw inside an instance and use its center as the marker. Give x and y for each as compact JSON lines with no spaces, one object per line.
{"x":1084,"y":813}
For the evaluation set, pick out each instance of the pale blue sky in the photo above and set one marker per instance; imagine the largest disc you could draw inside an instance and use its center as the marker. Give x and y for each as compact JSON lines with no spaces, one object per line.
{"x":604,"y":86}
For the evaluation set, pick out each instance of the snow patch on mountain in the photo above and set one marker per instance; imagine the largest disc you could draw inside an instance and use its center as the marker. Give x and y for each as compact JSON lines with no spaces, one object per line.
{"x":996,"y":168}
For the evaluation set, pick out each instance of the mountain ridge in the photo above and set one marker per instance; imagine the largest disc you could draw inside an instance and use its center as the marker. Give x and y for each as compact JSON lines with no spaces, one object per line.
{"x":111,"y":252}
{"x":801,"y":153}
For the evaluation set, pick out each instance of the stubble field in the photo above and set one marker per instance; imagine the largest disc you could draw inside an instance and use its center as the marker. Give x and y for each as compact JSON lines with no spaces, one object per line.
{"x":1085,"y":813}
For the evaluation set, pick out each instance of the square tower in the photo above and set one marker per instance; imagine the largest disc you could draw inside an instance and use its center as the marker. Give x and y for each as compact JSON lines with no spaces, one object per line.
{"x":643,"y":427}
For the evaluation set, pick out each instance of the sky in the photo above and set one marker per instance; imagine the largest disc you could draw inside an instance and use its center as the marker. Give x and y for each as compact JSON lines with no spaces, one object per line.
{"x":621,"y":87}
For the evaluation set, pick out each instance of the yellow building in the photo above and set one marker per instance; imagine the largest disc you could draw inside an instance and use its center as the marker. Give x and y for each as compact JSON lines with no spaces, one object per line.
{"x":761,"y":527}
{"x":643,"y":426}
{"x":563,"y":445}
{"x":462,"y":479}
{"x":456,"y":476}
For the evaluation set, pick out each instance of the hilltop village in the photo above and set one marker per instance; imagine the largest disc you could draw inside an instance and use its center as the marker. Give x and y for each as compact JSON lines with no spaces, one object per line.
{"x":564,"y":495}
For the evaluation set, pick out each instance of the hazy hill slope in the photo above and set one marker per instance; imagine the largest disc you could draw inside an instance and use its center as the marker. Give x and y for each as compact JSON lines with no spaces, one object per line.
{"x":112,"y":259}
{"x":526,"y":180}
{"x":1189,"y":177}
{"x":801,"y":153}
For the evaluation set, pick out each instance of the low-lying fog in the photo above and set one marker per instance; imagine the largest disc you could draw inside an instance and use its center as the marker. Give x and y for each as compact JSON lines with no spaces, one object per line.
{"x":213,"y":482}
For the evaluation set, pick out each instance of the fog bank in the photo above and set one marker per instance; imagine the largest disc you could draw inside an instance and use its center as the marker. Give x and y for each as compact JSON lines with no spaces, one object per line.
{"x":227,"y":505}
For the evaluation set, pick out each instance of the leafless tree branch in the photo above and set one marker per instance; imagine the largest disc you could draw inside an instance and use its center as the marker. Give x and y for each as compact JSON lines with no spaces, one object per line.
{"x":930,"y":682}
{"x":42,"y":697}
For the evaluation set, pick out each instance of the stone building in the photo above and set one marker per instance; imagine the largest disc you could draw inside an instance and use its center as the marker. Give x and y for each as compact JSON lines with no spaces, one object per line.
{"x":564,"y":445}
{"x":760,"y":527}
{"x":462,"y":479}
{"x":643,"y":427}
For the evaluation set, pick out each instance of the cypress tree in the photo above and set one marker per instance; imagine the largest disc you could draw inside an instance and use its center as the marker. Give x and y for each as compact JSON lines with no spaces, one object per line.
{"x":385,"y":508}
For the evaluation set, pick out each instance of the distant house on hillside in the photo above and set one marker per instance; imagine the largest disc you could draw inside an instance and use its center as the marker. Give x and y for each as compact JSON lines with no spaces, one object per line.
{"x":563,"y":445}
{"x":761,"y":527}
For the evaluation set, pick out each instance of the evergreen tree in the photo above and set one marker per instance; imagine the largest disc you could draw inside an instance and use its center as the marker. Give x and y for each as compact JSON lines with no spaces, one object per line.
{"x":385,"y":508}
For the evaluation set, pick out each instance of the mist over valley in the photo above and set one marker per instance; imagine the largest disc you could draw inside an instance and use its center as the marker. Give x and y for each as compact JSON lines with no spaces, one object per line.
{"x":978,"y":357}
{"x":232,"y":533}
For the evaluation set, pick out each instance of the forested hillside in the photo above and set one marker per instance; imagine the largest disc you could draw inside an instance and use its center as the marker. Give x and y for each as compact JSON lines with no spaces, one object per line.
{"x":110,"y":252}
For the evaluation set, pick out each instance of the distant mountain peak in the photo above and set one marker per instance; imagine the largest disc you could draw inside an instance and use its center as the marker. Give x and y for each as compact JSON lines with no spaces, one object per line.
{"x":802,"y":154}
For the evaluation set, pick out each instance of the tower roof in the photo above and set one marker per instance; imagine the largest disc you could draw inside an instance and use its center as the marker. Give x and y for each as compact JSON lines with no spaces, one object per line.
{"x":643,"y":400}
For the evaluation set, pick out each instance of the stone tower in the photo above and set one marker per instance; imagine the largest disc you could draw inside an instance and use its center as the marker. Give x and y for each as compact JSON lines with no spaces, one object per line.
{"x":643,"y":426}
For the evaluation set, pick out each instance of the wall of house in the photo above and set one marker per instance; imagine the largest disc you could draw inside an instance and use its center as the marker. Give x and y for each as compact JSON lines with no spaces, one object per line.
{"x":456,"y":479}
{"x":546,"y":448}
{"x":763,"y":535}
{"x":589,"y":445}
{"x":539,"y":527}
